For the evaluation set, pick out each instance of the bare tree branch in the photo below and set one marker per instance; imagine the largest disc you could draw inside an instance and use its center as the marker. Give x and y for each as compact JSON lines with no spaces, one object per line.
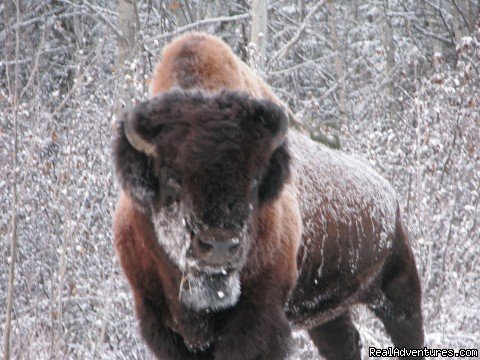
{"x":199,"y":23}
{"x":117,"y":32}
{"x":301,"y":65}
{"x":78,"y":82}
{"x":35,"y":66}
{"x":97,"y":12}
{"x":463,"y":15}
{"x":280,"y":54}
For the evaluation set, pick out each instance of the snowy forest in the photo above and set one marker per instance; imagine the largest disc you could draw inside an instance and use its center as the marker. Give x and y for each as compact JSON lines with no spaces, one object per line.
{"x":396,"y":82}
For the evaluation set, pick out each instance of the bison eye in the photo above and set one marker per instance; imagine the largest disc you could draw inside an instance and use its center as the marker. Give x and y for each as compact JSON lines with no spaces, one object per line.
{"x":174,"y":184}
{"x":254,"y":184}
{"x":191,"y":228}
{"x":170,"y":192}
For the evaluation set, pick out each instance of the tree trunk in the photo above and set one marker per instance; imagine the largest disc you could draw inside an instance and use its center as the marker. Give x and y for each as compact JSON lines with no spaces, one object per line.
{"x":213,"y":9}
{"x":433,"y":24}
{"x":258,"y":34}
{"x":179,"y":12}
{"x":9,"y":50}
{"x":471,"y":15}
{"x":338,"y":57}
{"x":389,"y":48}
{"x":126,"y":22}
{"x":14,"y":236}
{"x":456,"y":22}
{"x":301,"y":10}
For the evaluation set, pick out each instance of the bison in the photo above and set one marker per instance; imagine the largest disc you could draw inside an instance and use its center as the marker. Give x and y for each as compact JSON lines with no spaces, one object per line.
{"x":233,"y":230}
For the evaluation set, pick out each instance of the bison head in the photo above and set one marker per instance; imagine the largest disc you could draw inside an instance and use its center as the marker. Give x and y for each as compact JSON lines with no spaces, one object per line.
{"x":201,"y":166}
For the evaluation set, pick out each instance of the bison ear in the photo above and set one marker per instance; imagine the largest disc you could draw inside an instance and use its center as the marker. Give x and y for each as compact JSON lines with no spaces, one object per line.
{"x":274,"y":119}
{"x":278,"y":172}
{"x":134,"y":168}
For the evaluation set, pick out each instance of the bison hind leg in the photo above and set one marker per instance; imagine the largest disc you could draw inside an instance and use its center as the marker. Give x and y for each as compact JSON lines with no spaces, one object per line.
{"x":397,"y":300}
{"x":337,"y":339}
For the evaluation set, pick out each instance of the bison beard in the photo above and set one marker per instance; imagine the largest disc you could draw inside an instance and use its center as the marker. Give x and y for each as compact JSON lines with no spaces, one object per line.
{"x":209,"y":231}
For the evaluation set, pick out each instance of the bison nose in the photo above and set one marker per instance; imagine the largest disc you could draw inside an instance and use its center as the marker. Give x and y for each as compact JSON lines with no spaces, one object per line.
{"x":216,"y":246}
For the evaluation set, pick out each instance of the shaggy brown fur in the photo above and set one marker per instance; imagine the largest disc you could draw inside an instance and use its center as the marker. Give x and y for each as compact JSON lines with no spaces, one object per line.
{"x":205,"y":62}
{"x":352,"y":249}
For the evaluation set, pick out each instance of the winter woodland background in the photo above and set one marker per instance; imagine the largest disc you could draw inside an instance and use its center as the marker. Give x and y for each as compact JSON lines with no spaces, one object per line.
{"x":394,"y":81}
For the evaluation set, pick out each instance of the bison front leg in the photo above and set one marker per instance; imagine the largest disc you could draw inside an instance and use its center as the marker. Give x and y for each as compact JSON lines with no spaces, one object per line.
{"x":337,"y":339}
{"x":255,"y":332}
{"x":162,"y":341}
{"x":257,"y":328}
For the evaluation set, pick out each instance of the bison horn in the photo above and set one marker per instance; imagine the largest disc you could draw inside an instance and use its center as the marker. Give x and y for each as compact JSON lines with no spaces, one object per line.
{"x":134,"y":138}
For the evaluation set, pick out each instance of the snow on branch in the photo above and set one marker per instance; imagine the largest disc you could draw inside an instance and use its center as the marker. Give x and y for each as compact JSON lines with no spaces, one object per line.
{"x":280,"y":54}
{"x":199,"y":23}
